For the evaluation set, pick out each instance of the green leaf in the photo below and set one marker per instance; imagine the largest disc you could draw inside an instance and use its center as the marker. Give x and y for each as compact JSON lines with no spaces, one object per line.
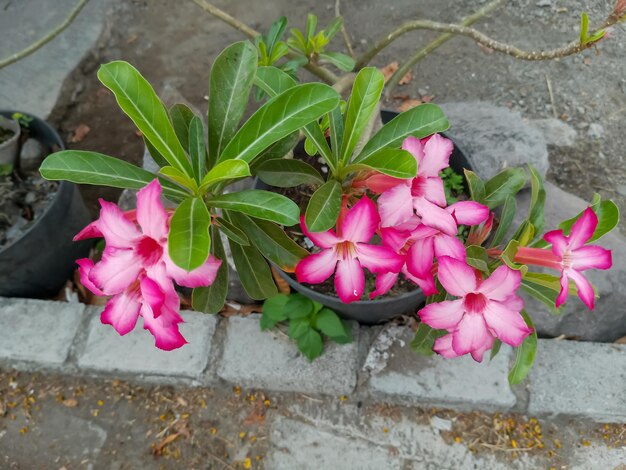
{"x":341,"y":61}
{"x":506,"y":219}
{"x":298,"y":306}
{"x":324,"y":205}
{"x":549,"y":281}
{"x":333,"y":27}
{"x":544,"y":294}
{"x":477,"y":257}
{"x":506,"y":183}
{"x":366,"y":91}
{"x":276,"y":32}
{"x":310,"y":344}
{"x":420,"y":122}
{"x":139,"y":101}
{"x":508,"y":256}
{"x":260,"y":204}
{"x":393,"y":162}
{"x":189,"y":241}
{"x":525,"y":355}
{"x":231,"y":231}
{"x":277,"y":150}
{"x":197,"y":148}
{"x":608,"y":218}
{"x":287,"y":173}
{"x":537,"y":200}
{"x":316,"y":138}
{"x":584,"y":28}
{"x":82,"y":167}
{"x":298,"y":327}
{"x":228,"y":170}
{"x":525,"y":233}
{"x":497,"y":344}
{"x":424,"y":339}
{"x":273,"y":311}
{"x":179,"y":177}
{"x":335,"y":120}
{"x":279,"y":117}
{"x":330,"y":324}
{"x":181,"y":116}
{"x":230,"y":82}
{"x":476,"y":185}
{"x":254,"y":273}
{"x":211,"y":299}
{"x":154,"y":153}
{"x":271,"y":241}
{"x":273,"y":81}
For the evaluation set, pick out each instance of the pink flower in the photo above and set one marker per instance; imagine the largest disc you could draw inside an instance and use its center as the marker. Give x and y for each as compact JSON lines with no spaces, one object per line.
{"x":348,"y":252}
{"x":485,"y":310}
{"x":424,"y":194}
{"x":571,"y":256}
{"x":137,"y":271}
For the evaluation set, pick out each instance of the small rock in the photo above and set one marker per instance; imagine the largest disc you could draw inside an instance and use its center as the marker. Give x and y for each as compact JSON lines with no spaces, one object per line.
{"x":30,"y":198}
{"x":33,"y":153}
{"x":595,"y":131}
{"x":556,"y":132}
{"x":440,"y":424}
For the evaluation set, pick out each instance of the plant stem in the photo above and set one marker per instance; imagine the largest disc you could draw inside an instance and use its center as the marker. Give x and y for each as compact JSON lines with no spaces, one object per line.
{"x":430,"y":47}
{"x":46,"y":39}
{"x":317,"y":70}
{"x":344,"y":31}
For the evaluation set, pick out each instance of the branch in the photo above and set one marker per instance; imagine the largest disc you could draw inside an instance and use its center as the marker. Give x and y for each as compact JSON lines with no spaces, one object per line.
{"x":317,"y":70}
{"x":564,"y":51}
{"x":431,"y":46}
{"x":46,"y":39}
{"x":344,"y":31}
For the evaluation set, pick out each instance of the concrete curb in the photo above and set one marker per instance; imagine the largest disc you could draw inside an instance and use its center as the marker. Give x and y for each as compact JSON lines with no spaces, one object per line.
{"x":570,"y":378}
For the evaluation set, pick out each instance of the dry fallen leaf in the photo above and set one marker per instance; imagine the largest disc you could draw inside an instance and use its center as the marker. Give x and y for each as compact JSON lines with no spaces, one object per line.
{"x":408,"y":104}
{"x":282,"y":285}
{"x":485,"y":49}
{"x":389,"y":69}
{"x":232,"y":308}
{"x":132,"y":38}
{"x":408,"y":77}
{"x":70,"y":402}
{"x":79,"y":133}
{"x":621,"y":340}
{"x":427,"y":98}
{"x":158,"y":449}
{"x":256,"y":415}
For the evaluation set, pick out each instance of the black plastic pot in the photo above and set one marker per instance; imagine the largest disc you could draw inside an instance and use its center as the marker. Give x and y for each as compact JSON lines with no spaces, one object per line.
{"x":43,"y":259}
{"x":371,"y":312}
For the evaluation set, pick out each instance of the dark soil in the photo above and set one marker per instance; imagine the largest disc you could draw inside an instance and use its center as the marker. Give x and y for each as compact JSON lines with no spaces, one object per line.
{"x":5,"y":134}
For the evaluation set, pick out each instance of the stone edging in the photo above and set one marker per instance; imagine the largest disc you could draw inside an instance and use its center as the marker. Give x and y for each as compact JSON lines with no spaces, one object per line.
{"x":569,"y":378}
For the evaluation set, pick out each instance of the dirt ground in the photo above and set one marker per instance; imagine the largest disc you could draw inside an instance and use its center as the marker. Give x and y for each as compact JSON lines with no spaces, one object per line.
{"x":174,"y":43}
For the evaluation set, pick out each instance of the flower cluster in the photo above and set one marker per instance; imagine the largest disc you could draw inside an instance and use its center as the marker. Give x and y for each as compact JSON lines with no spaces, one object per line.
{"x":136,"y":270}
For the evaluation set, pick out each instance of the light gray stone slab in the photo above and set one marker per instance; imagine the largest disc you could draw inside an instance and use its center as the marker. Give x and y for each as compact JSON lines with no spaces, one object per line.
{"x":135,"y":353}
{"x":580,"y":379}
{"x":38,"y":331}
{"x":462,"y":382}
{"x":270,"y":360}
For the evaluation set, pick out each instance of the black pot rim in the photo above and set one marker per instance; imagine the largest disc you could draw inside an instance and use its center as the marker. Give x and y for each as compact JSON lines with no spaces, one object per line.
{"x":63,"y":185}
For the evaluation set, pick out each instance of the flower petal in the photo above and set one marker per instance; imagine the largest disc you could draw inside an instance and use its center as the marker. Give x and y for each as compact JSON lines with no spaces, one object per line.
{"x":322,"y":239}
{"x":472,"y":336}
{"x":562,"y":297}
{"x":427,"y":283}
{"x":393,"y":238}
{"x":122,"y":310}
{"x":431,"y":188}
{"x":437,"y":151}
{"x":583,"y":229}
{"x":117,"y":270}
{"x":444,"y":315}
{"x":455,"y":276}
{"x":591,"y":257}
{"x":379,"y":259}
{"x":152,"y":294}
{"x":349,"y":280}
{"x":415,"y":147}
{"x":558,"y":241}
{"x":447,"y":245}
{"x":585,"y":289}
{"x":360,"y":222}
{"x":199,"y":277}
{"x":419,"y":259}
{"x":434,"y":216}
{"x":166,"y":333}
{"x":379,"y":183}
{"x":90,"y":231}
{"x":468,"y":212}
{"x":85,"y":267}
{"x":317,"y":268}
{"x":506,"y":324}
{"x":151,"y":215}
{"x":443,"y":347}
{"x":503,"y":282}
{"x":116,"y":229}
{"x":395,"y":206}
{"x":384,"y":282}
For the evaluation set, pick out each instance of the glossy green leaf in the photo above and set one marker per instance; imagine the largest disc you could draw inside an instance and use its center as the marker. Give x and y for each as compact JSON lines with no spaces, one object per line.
{"x":154,"y":153}
{"x":288,"y":173}
{"x":279,"y":117}
{"x":420,"y":122}
{"x":477,"y":257}
{"x":298,"y":306}
{"x":310,"y":344}
{"x":231,"y":231}
{"x":549,"y":281}
{"x":584,"y":28}
{"x":189,"y":241}
{"x":525,"y":355}
{"x":82,"y":167}
{"x":366,"y":91}
{"x":323,"y":208}
{"x":508,"y":256}
{"x":537,"y":200}
{"x":277,"y":150}
{"x":197,"y":148}
{"x":335,"y":121}
{"x":311,"y":25}
{"x":230,"y":82}
{"x":424,"y":339}
{"x":330,"y":324}
{"x":608,"y":218}
{"x":211,"y":299}
{"x":139,"y":101}
{"x":298,"y":327}
{"x":506,"y":183}
{"x":254,"y":272}
{"x":273,"y":311}
{"x":497,"y":344}
{"x":339,"y":60}
{"x":333,"y":27}
{"x":506,"y":219}
{"x":181,"y":116}
{"x":475,"y":184}
{"x":260,"y":204}
{"x":393,"y":162}
{"x":544,"y":294}
{"x":271,"y":241}
{"x":227,"y":170}
{"x":179,"y":177}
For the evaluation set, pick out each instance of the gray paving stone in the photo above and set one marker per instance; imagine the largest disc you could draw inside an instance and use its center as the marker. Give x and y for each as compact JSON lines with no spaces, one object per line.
{"x":268,"y":359}
{"x":461,"y":383}
{"x":135,"y":353}
{"x":579,"y":379}
{"x":37,"y":331}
